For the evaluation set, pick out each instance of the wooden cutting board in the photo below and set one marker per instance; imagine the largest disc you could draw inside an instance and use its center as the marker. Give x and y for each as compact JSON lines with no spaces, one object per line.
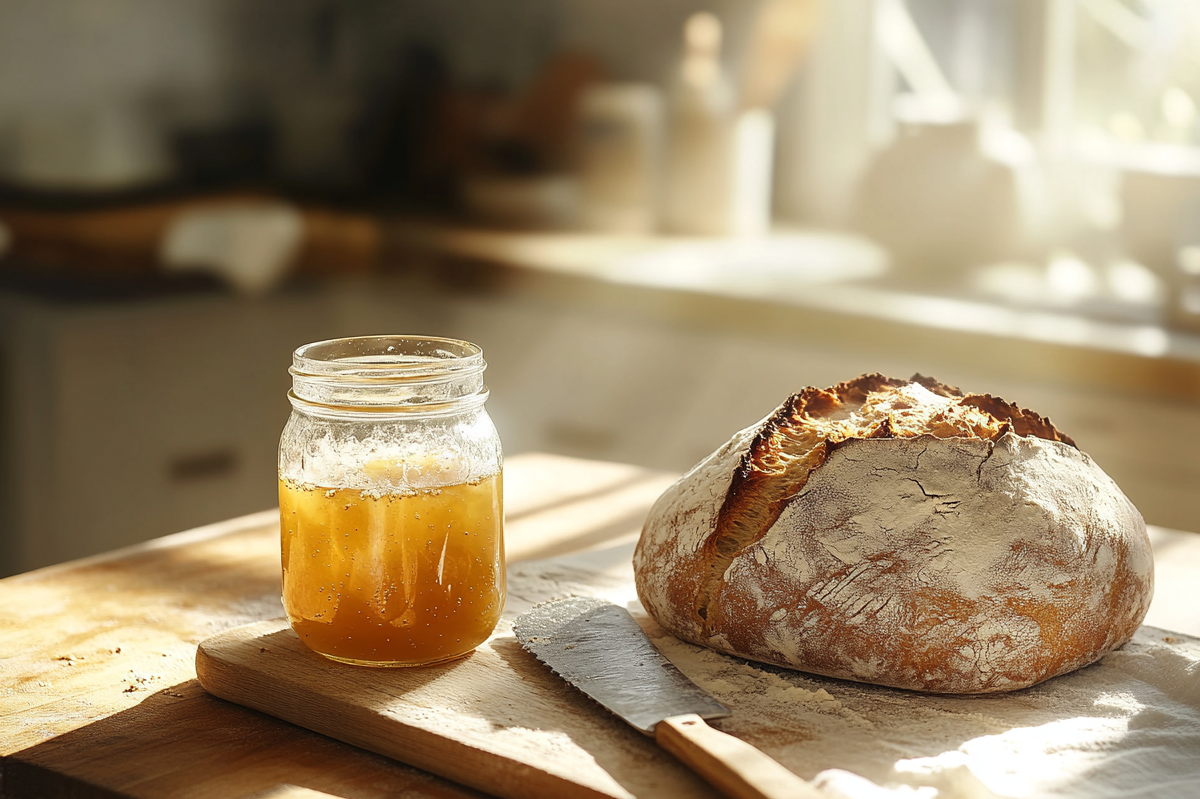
{"x":497,"y":720}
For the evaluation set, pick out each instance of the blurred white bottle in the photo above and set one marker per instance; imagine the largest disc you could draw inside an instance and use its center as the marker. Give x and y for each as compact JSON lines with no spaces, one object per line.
{"x":718,"y":161}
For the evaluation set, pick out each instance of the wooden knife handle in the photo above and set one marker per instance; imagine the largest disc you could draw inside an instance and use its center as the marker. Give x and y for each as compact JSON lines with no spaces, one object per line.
{"x":733,"y":766}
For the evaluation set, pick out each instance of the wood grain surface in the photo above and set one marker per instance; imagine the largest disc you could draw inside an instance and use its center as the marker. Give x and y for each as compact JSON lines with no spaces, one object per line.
{"x":98,"y":691}
{"x":497,"y":719}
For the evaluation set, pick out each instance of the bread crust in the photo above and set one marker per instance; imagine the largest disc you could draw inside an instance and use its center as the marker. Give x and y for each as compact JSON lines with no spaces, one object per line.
{"x":984,"y":561}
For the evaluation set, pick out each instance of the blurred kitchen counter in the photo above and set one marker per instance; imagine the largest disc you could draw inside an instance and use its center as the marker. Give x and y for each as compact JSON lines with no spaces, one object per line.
{"x":830,"y":277}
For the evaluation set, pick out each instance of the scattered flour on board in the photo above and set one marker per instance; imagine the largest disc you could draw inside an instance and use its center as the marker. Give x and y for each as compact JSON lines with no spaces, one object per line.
{"x":1126,"y":727}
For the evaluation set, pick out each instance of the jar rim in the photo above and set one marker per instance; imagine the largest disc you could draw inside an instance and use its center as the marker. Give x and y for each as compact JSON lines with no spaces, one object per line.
{"x":413,"y":374}
{"x":387,"y":358}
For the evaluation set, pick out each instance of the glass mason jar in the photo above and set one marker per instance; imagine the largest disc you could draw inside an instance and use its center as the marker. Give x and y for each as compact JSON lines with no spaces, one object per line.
{"x":390,"y":501}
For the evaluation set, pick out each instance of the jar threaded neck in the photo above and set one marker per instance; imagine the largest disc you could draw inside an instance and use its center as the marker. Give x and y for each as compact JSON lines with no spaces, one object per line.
{"x":422,"y":374}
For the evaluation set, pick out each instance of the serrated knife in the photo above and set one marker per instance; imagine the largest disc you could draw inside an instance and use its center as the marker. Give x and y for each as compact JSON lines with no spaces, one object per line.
{"x":598,"y":647}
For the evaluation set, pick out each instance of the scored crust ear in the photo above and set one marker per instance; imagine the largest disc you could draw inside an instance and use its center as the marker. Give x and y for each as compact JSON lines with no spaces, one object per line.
{"x":1024,"y":422}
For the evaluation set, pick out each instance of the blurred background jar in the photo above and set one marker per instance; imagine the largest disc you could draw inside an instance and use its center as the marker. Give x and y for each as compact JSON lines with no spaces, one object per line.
{"x":619,"y":152}
{"x":391,"y":501}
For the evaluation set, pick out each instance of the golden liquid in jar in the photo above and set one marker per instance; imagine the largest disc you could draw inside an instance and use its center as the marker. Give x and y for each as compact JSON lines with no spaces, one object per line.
{"x":393,"y":579}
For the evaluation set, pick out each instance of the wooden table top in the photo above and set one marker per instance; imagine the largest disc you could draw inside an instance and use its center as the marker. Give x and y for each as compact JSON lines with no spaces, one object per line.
{"x":98,"y":690}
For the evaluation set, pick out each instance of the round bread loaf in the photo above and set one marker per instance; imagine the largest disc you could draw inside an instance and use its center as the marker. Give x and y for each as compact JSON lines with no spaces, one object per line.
{"x":899,"y":533}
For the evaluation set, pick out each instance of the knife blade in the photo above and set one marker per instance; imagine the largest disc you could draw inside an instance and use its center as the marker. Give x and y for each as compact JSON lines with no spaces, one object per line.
{"x":597,"y":647}
{"x":578,"y":638}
